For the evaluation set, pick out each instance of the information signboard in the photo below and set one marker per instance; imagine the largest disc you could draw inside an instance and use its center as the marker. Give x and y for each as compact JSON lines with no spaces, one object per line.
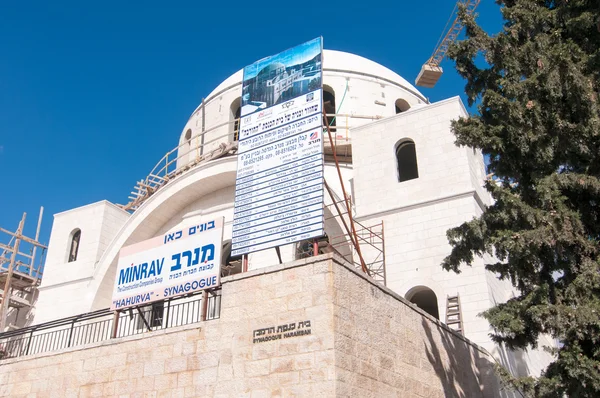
{"x":279,"y":186}
{"x":178,"y":263}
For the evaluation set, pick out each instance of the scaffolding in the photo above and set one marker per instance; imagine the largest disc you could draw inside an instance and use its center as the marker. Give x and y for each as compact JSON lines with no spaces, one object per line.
{"x":162,"y":174}
{"x":209,"y":144}
{"x":20,"y":276}
{"x":371,"y":242}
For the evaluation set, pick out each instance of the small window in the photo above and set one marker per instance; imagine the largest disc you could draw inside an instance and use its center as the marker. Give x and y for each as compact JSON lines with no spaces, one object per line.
{"x":74,"y":245}
{"x":158,"y":309}
{"x":406,"y":158}
{"x":153,"y":314}
{"x":186,"y":149}
{"x":401,"y":105}
{"x":329,"y":106}
{"x":235,"y":114}
{"x":424,"y":298}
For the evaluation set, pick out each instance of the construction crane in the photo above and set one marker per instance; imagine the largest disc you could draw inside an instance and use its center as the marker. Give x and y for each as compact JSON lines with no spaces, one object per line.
{"x":431,"y":71}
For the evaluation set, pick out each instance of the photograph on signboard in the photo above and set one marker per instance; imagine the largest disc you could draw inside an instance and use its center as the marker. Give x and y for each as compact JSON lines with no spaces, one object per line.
{"x":281,"y":77}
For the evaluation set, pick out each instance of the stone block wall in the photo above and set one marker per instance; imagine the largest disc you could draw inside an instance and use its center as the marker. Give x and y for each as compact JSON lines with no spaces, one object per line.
{"x":363,"y":341}
{"x":386,"y":347}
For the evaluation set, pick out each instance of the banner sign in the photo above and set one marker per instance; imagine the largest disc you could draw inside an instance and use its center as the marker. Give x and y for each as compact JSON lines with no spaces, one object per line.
{"x":279,"y":186}
{"x":178,"y":263}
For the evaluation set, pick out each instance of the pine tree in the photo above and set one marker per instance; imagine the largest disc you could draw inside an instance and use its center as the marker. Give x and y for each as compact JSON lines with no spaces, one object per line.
{"x":536,"y":86}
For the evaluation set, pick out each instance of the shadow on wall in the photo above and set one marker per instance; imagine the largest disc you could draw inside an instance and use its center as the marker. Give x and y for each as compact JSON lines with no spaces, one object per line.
{"x":513,"y":360}
{"x":458,"y":371}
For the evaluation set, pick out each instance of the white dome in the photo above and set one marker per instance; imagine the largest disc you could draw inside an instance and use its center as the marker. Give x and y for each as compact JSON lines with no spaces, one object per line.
{"x":376,"y":91}
{"x":342,"y":61}
{"x":338,"y":61}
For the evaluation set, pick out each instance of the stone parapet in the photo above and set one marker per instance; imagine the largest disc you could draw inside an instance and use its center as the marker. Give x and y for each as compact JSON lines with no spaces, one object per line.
{"x":314,"y":327}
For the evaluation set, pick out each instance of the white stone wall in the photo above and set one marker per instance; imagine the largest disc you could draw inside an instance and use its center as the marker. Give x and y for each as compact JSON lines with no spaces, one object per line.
{"x":478,"y":172}
{"x":520,"y":362}
{"x":417,"y":213}
{"x":444,"y":168}
{"x":64,"y":283}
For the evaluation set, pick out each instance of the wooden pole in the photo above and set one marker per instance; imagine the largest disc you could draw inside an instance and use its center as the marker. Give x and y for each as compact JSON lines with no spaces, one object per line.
{"x":244,"y":263}
{"x":7,"y":287}
{"x":37,"y":236}
{"x":141,"y":314}
{"x":204,"y":305}
{"x":23,"y":238}
{"x":115,"y":327}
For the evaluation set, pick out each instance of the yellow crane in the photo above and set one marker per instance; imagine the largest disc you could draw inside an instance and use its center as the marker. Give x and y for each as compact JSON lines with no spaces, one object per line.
{"x":431,"y":71}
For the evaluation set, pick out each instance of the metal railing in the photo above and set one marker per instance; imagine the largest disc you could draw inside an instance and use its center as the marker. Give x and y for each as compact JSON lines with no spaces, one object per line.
{"x":212,"y":144}
{"x":97,"y":326}
{"x":198,"y":144}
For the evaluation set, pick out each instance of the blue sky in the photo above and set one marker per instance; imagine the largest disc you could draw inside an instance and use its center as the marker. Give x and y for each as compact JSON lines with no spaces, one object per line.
{"x":93,"y":94}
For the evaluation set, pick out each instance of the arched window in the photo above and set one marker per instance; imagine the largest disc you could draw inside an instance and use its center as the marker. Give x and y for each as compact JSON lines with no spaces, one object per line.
{"x":329,"y":106}
{"x":424,"y":298}
{"x":234,"y":118}
{"x":401,"y":105}
{"x":74,"y":244}
{"x":406,"y":158}
{"x":188,"y":140}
